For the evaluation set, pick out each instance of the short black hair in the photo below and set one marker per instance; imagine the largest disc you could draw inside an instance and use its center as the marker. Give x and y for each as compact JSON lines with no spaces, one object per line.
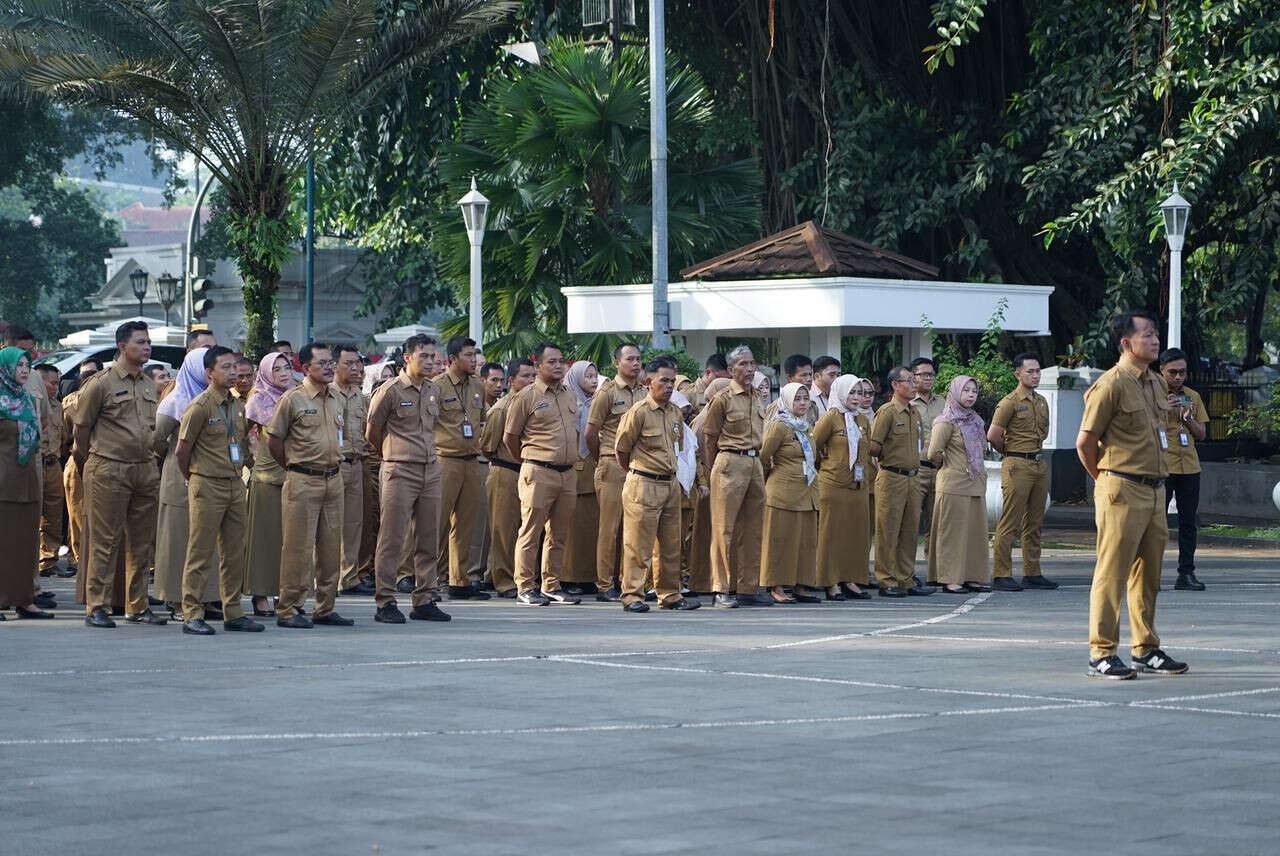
{"x":794,"y":363}
{"x":417,"y":342}
{"x":211,"y":355}
{"x":663,"y":362}
{"x":16,"y":334}
{"x":491,"y":367}
{"x":513,"y":366}
{"x":152,"y":370}
{"x":617,"y":352}
{"x":717,"y":363}
{"x":543,"y":347}
{"x":456,"y":344}
{"x":306,"y":351}
{"x":45,"y":368}
{"x":893,"y":373}
{"x":1170,"y":355}
{"x":1123,"y":326}
{"x":1020,"y":359}
{"x":97,"y":364}
{"x":921,"y":361}
{"x":339,"y":350}
{"x":126,"y":330}
{"x":244,"y":361}
{"x":285,"y":342}
{"x":821,"y":364}
{"x":193,"y":336}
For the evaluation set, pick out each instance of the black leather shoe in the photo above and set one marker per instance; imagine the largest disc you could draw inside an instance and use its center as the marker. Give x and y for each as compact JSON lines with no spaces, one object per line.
{"x":1038,"y":582}
{"x":850,"y":594}
{"x":333,"y":619}
{"x":117,"y":611}
{"x":429,"y":612}
{"x":197,"y":627}
{"x":389,"y":614}
{"x":45,"y":600}
{"x":146,"y":617}
{"x":154,"y":601}
{"x":1005,"y":584}
{"x":405,"y":586}
{"x":23,"y":612}
{"x":244,"y":624}
{"x":264,"y":613}
{"x":651,"y":596}
{"x":684,"y":603}
{"x":508,"y":593}
{"x":892,"y":591}
{"x":48,"y":570}
{"x":920,"y":591}
{"x":213,"y":612}
{"x":297,"y":621}
{"x":724,"y":601}
{"x":360,"y":589}
{"x":609,"y":595}
{"x":976,"y":587}
{"x":1188,"y":582}
{"x":635,"y":606}
{"x":67,"y":573}
{"x":467,"y":593}
{"x":804,"y":597}
{"x":750,"y":600}
{"x":99,"y":618}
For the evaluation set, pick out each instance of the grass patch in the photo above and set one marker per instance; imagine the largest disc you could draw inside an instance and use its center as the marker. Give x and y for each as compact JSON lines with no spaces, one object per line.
{"x":1267,"y":534}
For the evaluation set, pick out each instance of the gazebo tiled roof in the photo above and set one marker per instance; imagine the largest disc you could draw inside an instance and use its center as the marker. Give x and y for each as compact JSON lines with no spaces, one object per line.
{"x":808,"y":249}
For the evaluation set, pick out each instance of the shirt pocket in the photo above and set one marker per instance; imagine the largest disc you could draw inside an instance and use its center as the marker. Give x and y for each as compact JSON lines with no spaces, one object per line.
{"x":450,"y":403}
{"x":308,"y":419}
{"x":900,"y":426}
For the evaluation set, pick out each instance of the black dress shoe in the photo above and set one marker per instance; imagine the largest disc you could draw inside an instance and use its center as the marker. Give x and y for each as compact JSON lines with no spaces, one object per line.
{"x":48,"y":570}
{"x":298,"y":621}
{"x":389,"y":614}
{"x":1038,"y":582}
{"x":920,"y":591}
{"x":748,"y":601}
{"x":803,"y":597}
{"x":635,"y":606}
{"x":197,"y":627}
{"x":264,"y":613}
{"x":609,"y":595}
{"x":508,"y":593}
{"x":839,"y":596}
{"x":45,"y":600}
{"x":405,"y":586}
{"x":333,"y":619}
{"x":154,"y":601}
{"x":360,"y":589}
{"x":23,"y":612}
{"x":850,"y":594}
{"x":1188,"y":582}
{"x":892,"y":591}
{"x":684,"y":603}
{"x":1005,"y":584}
{"x":99,"y":618}
{"x":429,"y":612}
{"x":244,"y":624}
{"x":651,"y":596}
{"x":146,"y":617}
{"x":467,"y":593}
{"x":574,"y":589}
{"x":976,"y":587}
{"x":117,"y":611}
{"x":724,"y":601}
{"x":67,"y":573}
{"x":213,"y":612}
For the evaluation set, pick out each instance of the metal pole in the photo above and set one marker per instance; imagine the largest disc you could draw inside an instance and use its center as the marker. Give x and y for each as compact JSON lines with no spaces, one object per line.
{"x":310,"y":298}
{"x":476,"y":313}
{"x":1175,"y":298}
{"x":658,"y":159}
{"x":188,"y":317}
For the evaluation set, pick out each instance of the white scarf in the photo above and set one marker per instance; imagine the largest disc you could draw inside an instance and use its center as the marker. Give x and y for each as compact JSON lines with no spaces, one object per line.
{"x":799,"y":426}
{"x":840,"y":388}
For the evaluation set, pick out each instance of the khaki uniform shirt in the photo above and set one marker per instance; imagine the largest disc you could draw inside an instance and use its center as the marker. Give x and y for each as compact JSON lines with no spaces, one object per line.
{"x":1126,"y":410}
{"x":212,"y":424}
{"x":928,"y":412}
{"x":461,"y":404}
{"x":120,"y":411}
{"x":652,"y":433}
{"x":831,"y":445}
{"x":948,"y":453}
{"x":491,"y":438}
{"x":783,"y":459}
{"x":308,"y":419}
{"x":51,"y":437}
{"x":811,"y":415}
{"x":17,"y":483}
{"x":407,"y":416}
{"x":1024,"y":416}
{"x":737,"y":417}
{"x":354,"y":412}
{"x":611,"y":402}
{"x":1183,"y":459}
{"x":546,"y":421}
{"x":898,"y":430}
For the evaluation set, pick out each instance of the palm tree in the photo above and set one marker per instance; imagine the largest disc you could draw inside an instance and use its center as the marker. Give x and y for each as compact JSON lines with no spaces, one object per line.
{"x":246,"y":86}
{"x":562,"y":151}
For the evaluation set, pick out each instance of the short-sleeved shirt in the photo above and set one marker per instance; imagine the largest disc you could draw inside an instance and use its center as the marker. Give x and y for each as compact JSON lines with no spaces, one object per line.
{"x":898,"y":430}
{"x":51,"y":434}
{"x":1024,"y":416}
{"x":461,"y":403}
{"x":491,"y":438}
{"x":950,"y":454}
{"x":406,"y":413}
{"x":831,"y":443}
{"x":1125,"y":410}
{"x":652,"y":433}
{"x":354,"y":413}
{"x":1183,"y":459}
{"x":308,"y":419}
{"x":737,"y":417}
{"x":546,"y":421}
{"x":119,"y":409}
{"x":811,"y":413}
{"x":211,"y":425}
{"x":611,"y":402}
{"x":928,"y":411}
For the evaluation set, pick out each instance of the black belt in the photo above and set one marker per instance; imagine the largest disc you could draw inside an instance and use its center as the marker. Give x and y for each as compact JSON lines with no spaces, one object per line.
{"x":928,"y":465}
{"x":746,"y":453}
{"x":506,"y":465}
{"x":461,"y":457}
{"x":899,"y":470}
{"x":1030,"y":456}
{"x":349,"y":459}
{"x":1143,"y":480}
{"x":50,"y":459}
{"x":653,"y":476}
{"x":312,"y":471}
{"x":560,"y":468}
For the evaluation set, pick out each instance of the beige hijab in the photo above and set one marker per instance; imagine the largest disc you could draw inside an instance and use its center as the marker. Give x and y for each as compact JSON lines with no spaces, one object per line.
{"x":840,"y":389}
{"x":715,"y":388}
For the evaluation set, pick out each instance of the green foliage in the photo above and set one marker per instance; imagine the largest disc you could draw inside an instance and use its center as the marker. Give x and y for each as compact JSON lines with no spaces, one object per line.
{"x":686,"y":364}
{"x":988,"y":365}
{"x":1260,"y":419}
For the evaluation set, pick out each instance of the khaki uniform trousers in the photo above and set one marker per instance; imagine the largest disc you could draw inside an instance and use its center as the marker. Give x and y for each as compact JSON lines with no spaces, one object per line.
{"x":927,"y":478}
{"x":897,"y":522}
{"x":651,"y":531}
{"x":410,"y":498}
{"x":1132,"y":534}
{"x":1024,"y":485}
{"x":311,"y":518}
{"x":609,"y":479}
{"x":547,"y":500}
{"x":503,"y":490}
{"x":352,"y":521}
{"x":461,"y":509}
{"x":737,"y":517}
{"x":478,"y":561}
{"x":370,"y":520}
{"x":73,"y":490}
{"x":700,"y":544}
{"x":121,"y":500}
{"x":218,"y":517}
{"x":52,"y":531}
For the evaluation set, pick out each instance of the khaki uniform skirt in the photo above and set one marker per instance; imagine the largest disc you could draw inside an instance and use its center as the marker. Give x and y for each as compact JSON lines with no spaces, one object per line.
{"x":844,"y":535}
{"x":958,"y":540}
{"x":263,"y":539}
{"x":790,"y":548}
{"x":172,"y":535}
{"x":20,"y":546}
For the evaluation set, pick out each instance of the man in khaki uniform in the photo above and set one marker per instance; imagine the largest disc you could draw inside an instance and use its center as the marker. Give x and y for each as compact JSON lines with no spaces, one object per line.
{"x":73,"y":488}
{"x":457,"y":436}
{"x":613,"y":399}
{"x":715,"y":366}
{"x":114,"y":418}
{"x":1186,"y":424}
{"x":646,"y":445}
{"x":928,"y":407}
{"x":541,"y":431}
{"x":734,"y":430}
{"x":798,"y":368}
{"x":305,"y":437}
{"x":1018,"y":431}
{"x":347,"y":376}
{"x":502,"y":487}
{"x":52,"y":531}
{"x":494,"y":378}
{"x":1122,"y":444}
{"x":401,"y":424}
{"x":897,"y":439}
{"x":210,"y":455}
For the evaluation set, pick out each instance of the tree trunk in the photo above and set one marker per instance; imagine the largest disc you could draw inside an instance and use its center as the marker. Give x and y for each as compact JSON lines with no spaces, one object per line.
{"x":264,"y":237}
{"x":261,"y":282}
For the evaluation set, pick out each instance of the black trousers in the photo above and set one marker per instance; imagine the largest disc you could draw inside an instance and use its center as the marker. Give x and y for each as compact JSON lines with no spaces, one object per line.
{"x":1186,"y":489}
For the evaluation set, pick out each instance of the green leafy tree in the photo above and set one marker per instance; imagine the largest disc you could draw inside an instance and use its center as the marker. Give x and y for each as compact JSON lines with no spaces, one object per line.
{"x":987,"y":365}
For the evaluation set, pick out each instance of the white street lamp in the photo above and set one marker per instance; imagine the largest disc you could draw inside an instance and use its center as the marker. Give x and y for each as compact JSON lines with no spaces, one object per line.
{"x":475,"y":211}
{"x":1175,"y":210}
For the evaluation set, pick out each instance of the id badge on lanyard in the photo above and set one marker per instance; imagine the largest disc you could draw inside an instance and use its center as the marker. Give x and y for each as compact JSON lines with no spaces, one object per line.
{"x":858,"y":473}
{"x":1183,"y":439}
{"x":467,"y":431}
{"x":1164,"y":439}
{"x":234,"y":450}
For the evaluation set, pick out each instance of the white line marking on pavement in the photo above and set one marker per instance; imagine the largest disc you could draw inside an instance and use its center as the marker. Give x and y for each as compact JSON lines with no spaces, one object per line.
{"x":963,"y":608}
{"x":1215,"y":710}
{"x":1259,"y":691}
{"x":1069,"y":642}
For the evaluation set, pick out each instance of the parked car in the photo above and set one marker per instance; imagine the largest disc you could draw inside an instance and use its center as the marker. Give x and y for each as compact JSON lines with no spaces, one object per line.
{"x":68,"y":362}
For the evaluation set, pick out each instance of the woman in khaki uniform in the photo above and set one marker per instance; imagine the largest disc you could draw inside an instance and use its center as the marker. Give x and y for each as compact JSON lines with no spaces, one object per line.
{"x":791,"y":501}
{"x":583,"y":379}
{"x":20,"y":494}
{"x":958,"y":555}
{"x":266,"y":528}
{"x":844,"y":491}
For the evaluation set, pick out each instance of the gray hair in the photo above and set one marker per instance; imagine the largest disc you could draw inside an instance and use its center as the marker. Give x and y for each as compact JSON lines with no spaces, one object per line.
{"x":737,"y":354}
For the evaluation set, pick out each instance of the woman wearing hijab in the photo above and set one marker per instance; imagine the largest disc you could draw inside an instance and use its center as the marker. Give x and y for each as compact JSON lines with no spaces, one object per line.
{"x":958,"y":538}
{"x":844,"y":491}
{"x":791,"y":501}
{"x":700,"y":547}
{"x":760,"y":383}
{"x":583,"y":379}
{"x":20,"y":494}
{"x":866,"y":409}
{"x":172,"y":530}
{"x":266,"y":529}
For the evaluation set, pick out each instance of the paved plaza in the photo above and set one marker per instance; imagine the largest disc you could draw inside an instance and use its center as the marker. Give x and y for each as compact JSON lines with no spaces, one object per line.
{"x":948,"y":725}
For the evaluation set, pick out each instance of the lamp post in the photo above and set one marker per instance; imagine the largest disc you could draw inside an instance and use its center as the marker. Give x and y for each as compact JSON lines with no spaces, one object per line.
{"x":475,"y":211}
{"x":658,"y":161}
{"x":1175,"y":210}
{"x":167,"y":288}
{"x":138,"y":282}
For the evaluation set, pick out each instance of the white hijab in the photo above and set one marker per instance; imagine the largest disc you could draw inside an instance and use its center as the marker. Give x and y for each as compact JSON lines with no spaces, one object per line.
{"x":840,"y":389}
{"x":687,"y":455}
{"x":799,"y":425}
